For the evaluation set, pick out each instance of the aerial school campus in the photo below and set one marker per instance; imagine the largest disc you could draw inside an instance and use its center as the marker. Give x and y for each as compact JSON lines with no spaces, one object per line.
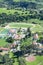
{"x":21,"y":32}
{"x":22,"y":40}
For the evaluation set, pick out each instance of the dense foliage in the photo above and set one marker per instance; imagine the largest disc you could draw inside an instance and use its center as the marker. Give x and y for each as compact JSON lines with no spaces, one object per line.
{"x":20,"y":10}
{"x":16,"y":17}
{"x":5,"y":60}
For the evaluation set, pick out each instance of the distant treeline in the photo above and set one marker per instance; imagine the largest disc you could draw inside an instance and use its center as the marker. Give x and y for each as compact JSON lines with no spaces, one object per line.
{"x":11,"y":5}
{"x":16,"y":17}
{"x":22,"y":5}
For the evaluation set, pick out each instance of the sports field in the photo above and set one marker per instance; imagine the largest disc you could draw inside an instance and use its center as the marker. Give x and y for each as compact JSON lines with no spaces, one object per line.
{"x":22,"y":25}
{"x":38,"y":61}
{"x":34,"y":27}
{"x":4,"y":31}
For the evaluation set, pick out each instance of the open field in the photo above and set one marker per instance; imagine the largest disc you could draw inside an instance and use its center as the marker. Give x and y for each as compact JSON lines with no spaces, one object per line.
{"x":22,"y":25}
{"x":34,"y":27}
{"x":2,"y":42}
{"x":38,"y":61}
{"x":37,"y":28}
{"x":1,"y":28}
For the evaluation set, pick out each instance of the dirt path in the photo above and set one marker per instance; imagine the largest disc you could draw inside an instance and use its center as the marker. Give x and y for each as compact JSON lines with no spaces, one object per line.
{"x":6,"y":27}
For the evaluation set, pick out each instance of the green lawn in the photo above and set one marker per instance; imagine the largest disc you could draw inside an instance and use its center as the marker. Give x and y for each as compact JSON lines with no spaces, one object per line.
{"x":22,"y":25}
{"x":34,"y":27}
{"x":38,"y":61}
{"x":1,"y":28}
{"x":2,"y":42}
{"x":37,"y":28}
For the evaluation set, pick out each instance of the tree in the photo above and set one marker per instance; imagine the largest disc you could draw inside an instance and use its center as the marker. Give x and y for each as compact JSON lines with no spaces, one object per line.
{"x":10,"y":40}
{"x":41,"y":40}
{"x":29,"y":32}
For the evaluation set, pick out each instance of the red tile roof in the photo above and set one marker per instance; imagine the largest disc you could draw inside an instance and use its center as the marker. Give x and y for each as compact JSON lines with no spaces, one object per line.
{"x":5,"y":49}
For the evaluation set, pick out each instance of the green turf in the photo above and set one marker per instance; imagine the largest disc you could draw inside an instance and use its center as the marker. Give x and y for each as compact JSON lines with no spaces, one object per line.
{"x":1,"y":28}
{"x":38,"y":61}
{"x":37,"y":28}
{"x":2,"y":42}
{"x":22,"y":25}
{"x":34,"y":27}
{"x":4,"y":31}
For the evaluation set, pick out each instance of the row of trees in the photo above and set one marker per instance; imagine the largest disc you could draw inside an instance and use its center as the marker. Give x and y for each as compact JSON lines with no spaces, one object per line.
{"x":16,"y":17}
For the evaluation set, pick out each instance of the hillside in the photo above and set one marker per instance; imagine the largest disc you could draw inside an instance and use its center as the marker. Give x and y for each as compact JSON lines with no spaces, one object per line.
{"x":22,"y":0}
{"x":11,"y":4}
{"x":21,"y":10}
{"x":21,"y":32}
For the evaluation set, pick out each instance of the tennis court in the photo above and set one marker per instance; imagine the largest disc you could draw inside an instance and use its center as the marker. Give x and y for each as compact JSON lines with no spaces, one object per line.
{"x":5,"y":31}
